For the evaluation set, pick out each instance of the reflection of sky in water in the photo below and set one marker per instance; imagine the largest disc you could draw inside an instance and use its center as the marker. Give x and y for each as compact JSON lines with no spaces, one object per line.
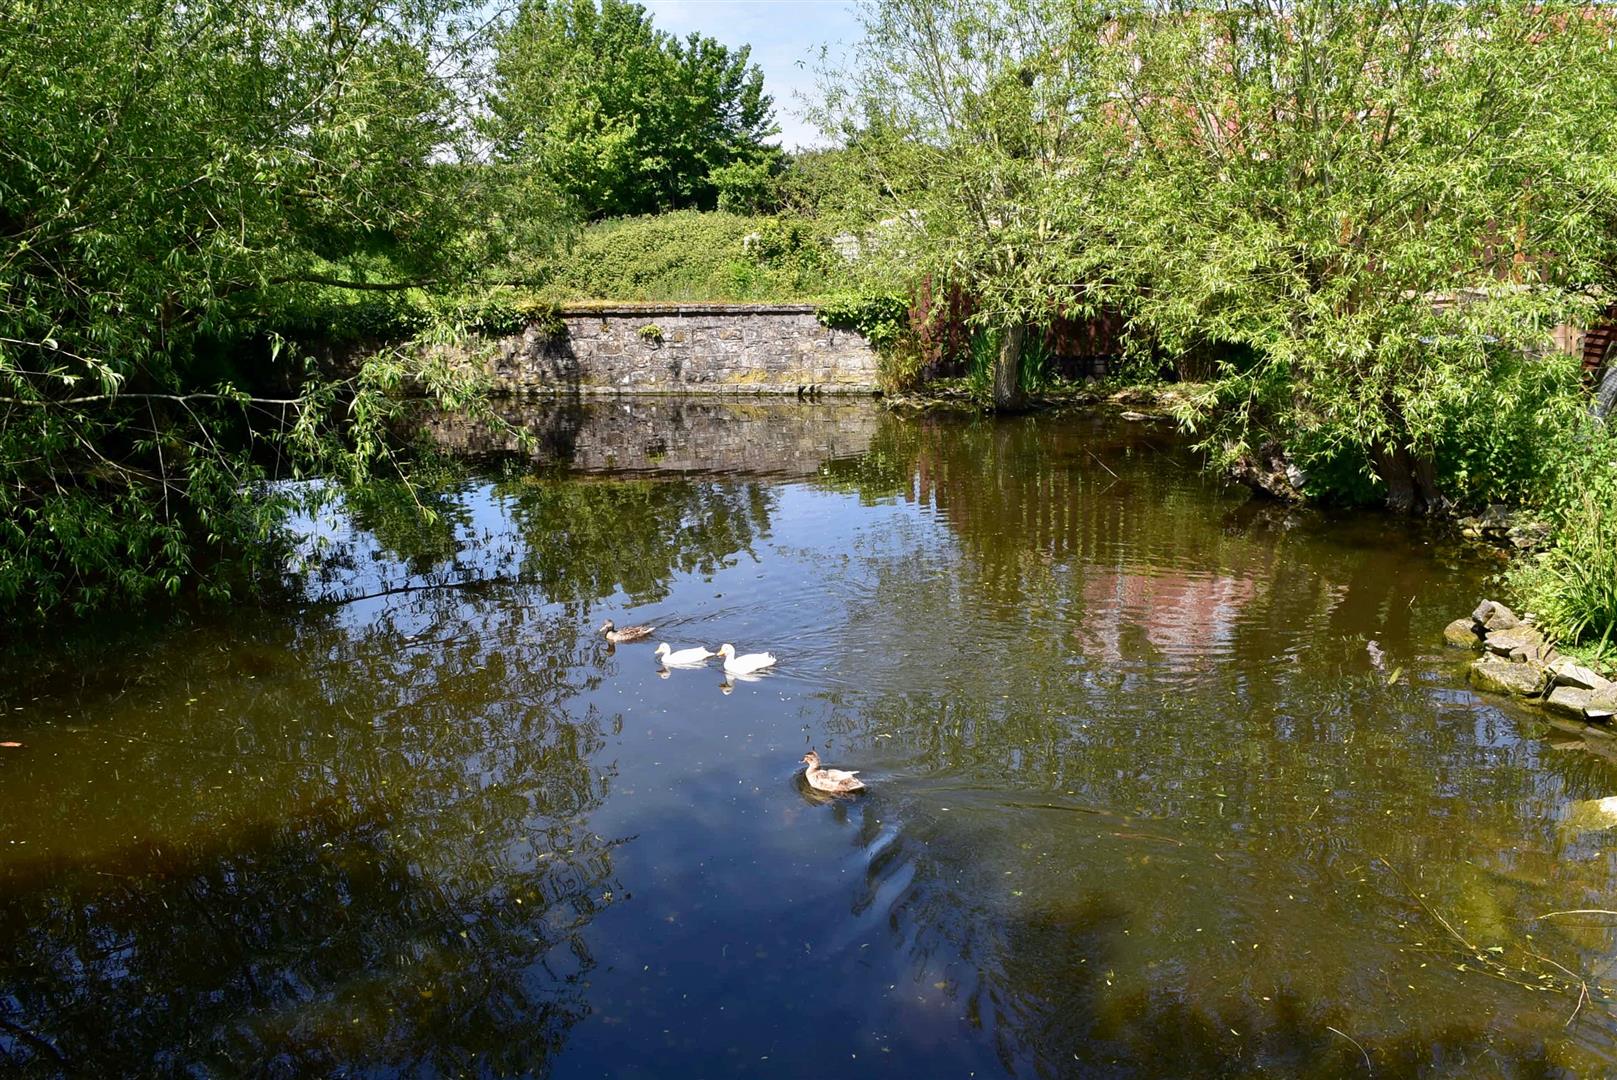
{"x":1140,"y":803}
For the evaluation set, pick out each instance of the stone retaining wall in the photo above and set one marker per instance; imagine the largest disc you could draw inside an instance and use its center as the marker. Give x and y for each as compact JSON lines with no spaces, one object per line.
{"x":682,"y":348}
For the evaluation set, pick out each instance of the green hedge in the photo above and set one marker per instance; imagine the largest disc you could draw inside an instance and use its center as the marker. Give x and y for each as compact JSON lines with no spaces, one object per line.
{"x":692,"y":255}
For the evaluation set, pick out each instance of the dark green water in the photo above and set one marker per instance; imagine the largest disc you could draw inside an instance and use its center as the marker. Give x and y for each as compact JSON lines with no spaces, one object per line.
{"x":1141,"y":802}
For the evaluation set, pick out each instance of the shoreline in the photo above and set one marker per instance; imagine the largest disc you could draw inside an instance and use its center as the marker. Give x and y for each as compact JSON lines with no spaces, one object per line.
{"x":1137,"y":401}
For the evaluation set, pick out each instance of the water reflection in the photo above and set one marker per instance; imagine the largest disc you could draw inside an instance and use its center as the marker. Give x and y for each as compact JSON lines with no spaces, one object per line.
{"x":366,"y":860}
{"x":1218,"y":781}
{"x":1140,"y":802}
{"x":378,"y":854}
{"x":673,"y":436}
{"x":573,"y":541}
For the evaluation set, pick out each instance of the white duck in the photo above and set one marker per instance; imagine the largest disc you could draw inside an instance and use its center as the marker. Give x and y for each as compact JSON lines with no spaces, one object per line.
{"x":745,"y":664}
{"x":684,"y":657}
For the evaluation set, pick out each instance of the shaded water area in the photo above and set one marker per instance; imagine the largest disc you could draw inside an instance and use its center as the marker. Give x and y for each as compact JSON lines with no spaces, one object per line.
{"x":1142,"y":800}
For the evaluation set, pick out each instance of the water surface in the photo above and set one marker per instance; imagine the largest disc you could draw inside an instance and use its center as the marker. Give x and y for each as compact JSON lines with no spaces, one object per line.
{"x":1143,"y":801}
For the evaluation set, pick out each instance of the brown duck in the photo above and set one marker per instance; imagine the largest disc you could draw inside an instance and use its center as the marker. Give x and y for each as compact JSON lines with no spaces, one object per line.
{"x":628,"y":633}
{"x":830,"y":781}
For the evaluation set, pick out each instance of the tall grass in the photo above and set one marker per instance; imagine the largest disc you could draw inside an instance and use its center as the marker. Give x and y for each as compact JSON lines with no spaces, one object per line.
{"x":982,"y":349}
{"x":1033,"y":372}
{"x":1572,"y":588}
{"x":1034,"y":375}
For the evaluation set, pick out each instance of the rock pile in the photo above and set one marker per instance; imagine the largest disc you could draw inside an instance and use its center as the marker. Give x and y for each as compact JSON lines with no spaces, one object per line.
{"x":1498,"y":525}
{"x":1517,"y":660}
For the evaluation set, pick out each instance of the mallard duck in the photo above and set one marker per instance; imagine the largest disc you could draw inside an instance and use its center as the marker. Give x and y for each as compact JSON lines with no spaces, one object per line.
{"x":830,"y":781}
{"x":628,"y":633}
{"x":747,"y":664}
{"x":684,"y":657}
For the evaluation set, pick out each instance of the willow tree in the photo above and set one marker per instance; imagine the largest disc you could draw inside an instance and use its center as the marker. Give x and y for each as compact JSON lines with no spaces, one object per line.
{"x":1384,"y":206}
{"x":174,"y":174}
{"x":967,"y":163}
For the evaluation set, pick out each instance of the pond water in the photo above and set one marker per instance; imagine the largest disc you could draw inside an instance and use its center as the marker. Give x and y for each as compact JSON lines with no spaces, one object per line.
{"x":1143,"y":799}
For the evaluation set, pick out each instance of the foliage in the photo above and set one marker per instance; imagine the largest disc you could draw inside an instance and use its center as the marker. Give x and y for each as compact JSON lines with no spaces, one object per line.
{"x":594,"y":102}
{"x":811,"y":183}
{"x":1572,"y":588}
{"x":1504,"y":441}
{"x":1509,"y":441}
{"x":884,"y":320}
{"x":651,"y":333}
{"x":964,"y":131}
{"x":1378,"y":207}
{"x":745,"y":187}
{"x":1366,"y":196}
{"x":690,"y":255}
{"x":157,"y":216}
{"x":983,"y":351}
{"x":981,"y":355}
{"x":881,"y":317}
{"x":1034,"y":376}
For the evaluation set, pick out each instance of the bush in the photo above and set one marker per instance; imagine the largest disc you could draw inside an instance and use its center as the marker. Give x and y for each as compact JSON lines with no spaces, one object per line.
{"x":1500,"y":438}
{"x":1506,"y":434}
{"x":1572,"y":588}
{"x":881,"y":317}
{"x":345,"y":317}
{"x":692,"y":255}
{"x":745,"y":187}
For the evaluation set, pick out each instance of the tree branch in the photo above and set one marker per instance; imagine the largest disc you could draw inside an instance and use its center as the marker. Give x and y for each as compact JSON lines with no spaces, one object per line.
{"x":344,"y":283}
{"x":181,"y":398}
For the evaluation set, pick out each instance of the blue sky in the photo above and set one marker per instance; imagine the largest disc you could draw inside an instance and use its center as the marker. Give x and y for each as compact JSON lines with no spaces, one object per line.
{"x":785,"y":36}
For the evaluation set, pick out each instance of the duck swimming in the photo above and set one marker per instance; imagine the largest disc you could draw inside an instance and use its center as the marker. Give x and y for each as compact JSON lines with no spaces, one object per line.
{"x":830,"y":781}
{"x":745,"y":664}
{"x":684,"y":657}
{"x":629,"y":633}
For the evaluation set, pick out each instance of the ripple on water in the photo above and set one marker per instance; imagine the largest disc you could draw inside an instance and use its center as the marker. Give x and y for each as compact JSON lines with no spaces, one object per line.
{"x":1143,"y":800}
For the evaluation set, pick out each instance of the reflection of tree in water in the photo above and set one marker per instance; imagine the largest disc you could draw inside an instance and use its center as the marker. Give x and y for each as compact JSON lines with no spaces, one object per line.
{"x":885,"y":469}
{"x":386,"y":537}
{"x":384,"y":862}
{"x":1161,"y":723}
{"x":362,"y":842}
{"x":1124,"y":507}
{"x":421,"y":527}
{"x":576,"y":538}
{"x":1089,"y":962}
{"x":585,"y":538}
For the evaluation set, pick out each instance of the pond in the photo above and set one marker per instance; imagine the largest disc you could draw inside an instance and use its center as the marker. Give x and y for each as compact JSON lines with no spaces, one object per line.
{"x":1163,"y":781}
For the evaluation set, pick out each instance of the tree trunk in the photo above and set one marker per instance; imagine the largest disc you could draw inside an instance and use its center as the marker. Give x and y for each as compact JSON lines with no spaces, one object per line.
{"x":1392,"y":466}
{"x":1411,"y":481}
{"x":1008,"y":370}
{"x":1429,"y":499}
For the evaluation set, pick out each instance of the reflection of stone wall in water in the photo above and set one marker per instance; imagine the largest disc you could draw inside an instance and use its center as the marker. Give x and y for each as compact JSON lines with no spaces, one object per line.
{"x":734,"y":348}
{"x":671,"y":435}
